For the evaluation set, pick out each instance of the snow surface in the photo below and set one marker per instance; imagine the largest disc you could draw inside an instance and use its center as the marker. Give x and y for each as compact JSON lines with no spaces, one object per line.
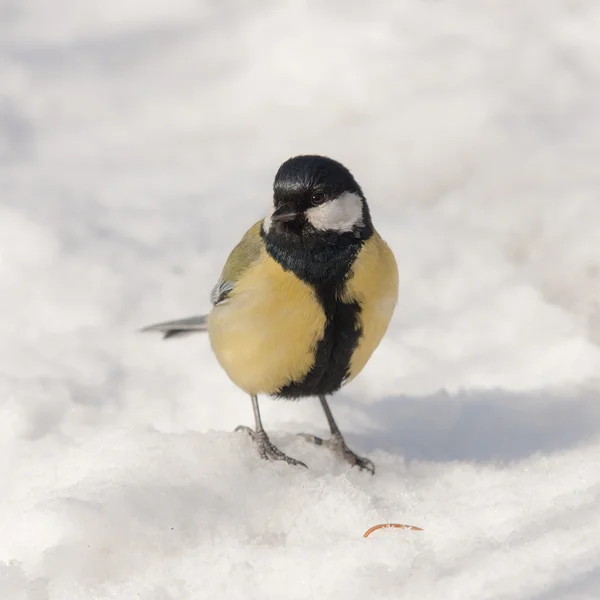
{"x":138,"y":140}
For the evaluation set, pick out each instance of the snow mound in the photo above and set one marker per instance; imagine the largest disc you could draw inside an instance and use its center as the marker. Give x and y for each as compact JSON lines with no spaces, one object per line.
{"x":138,"y":141}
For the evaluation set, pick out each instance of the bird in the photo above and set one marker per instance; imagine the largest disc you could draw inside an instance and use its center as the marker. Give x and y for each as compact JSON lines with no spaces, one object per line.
{"x":303,"y":300}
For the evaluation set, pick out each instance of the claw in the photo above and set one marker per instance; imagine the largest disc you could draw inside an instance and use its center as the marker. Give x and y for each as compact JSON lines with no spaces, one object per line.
{"x":266,"y":449}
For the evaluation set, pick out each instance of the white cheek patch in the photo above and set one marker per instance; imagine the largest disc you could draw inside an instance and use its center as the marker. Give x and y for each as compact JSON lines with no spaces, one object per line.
{"x":267,"y":223}
{"x":340,"y":214}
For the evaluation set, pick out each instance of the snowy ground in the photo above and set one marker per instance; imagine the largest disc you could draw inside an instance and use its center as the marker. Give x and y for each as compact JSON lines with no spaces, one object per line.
{"x":138,"y":140}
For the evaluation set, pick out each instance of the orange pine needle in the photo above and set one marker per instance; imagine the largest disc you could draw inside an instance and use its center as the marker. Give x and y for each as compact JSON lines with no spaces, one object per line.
{"x":369,"y":531}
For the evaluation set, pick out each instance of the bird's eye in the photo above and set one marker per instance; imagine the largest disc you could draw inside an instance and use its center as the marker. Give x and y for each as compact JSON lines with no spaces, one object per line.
{"x":317,"y":198}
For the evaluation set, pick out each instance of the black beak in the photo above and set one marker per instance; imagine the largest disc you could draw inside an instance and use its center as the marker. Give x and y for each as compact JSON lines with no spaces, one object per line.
{"x":283,"y":214}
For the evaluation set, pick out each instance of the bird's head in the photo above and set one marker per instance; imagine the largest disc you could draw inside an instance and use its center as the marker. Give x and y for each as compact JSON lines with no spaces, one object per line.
{"x":316,"y":198}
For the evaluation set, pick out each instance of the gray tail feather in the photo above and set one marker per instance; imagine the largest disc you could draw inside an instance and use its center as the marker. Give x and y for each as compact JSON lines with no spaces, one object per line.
{"x":180,"y":327}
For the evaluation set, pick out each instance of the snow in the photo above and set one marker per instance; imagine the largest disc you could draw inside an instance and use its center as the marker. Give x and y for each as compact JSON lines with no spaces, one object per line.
{"x":138,"y":141}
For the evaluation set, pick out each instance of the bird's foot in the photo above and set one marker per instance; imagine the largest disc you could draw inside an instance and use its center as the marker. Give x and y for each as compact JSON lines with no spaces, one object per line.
{"x":338,"y":446}
{"x":266,"y":449}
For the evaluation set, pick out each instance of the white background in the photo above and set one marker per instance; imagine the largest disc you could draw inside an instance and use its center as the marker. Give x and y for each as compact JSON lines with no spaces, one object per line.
{"x":138,"y":141}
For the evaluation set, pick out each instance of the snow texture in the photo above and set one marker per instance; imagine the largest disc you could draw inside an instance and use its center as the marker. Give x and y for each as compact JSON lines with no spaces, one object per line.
{"x":138,"y":141}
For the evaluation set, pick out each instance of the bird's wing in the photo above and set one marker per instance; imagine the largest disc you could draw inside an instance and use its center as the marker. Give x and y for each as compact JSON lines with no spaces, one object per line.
{"x":240,"y":258}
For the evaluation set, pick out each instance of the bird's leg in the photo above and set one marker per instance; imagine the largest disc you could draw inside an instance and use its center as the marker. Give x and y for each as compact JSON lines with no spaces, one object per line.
{"x":337,"y":444}
{"x":265,"y":448}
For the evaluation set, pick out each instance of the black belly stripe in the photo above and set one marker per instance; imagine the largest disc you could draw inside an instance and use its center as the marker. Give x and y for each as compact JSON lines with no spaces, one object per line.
{"x":325,"y":263}
{"x":333,"y":352}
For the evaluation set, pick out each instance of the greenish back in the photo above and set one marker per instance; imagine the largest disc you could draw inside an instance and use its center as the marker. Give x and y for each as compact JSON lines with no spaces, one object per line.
{"x":243,"y":254}
{"x":241,"y":257}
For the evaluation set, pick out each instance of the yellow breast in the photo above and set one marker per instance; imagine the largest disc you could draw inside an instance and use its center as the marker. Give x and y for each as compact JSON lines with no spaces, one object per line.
{"x":265,"y":335}
{"x":374,"y":285}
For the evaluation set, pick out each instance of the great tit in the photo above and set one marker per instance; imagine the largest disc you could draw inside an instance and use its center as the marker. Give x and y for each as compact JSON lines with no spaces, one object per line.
{"x":304,"y":298}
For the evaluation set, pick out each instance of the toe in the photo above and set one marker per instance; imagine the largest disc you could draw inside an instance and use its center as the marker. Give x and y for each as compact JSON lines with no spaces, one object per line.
{"x":246,"y":430}
{"x":366,"y":464}
{"x":266,"y":450}
{"x":276,"y":454}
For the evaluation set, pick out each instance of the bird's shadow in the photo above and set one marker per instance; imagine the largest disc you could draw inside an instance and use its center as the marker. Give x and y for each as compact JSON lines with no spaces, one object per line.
{"x":479,"y":426}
